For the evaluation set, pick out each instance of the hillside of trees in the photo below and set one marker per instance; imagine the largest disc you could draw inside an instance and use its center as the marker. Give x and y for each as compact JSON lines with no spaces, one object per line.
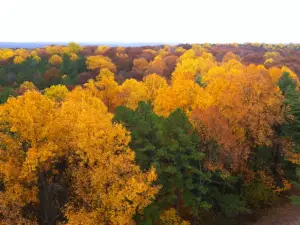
{"x":195,"y":134}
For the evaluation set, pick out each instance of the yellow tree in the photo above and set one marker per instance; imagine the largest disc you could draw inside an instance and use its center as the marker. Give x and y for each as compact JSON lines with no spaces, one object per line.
{"x":51,"y":50}
{"x":18,"y":60}
{"x":181,"y":94}
{"x":24,"y":127}
{"x":249,"y":101}
{"x":140,"y":65}
{"x":102,"y":49}
{"x":74,"y":48}
{"x":170,"y":217}
{"x":38,"y":136}
{"x":6,"y":54}
{"x":22,"y":52}
{"x":132,"y":92}
{"x":190,"y":66}
{"x":230,"y":56}
{"x":100,"y":62}
{"x":157,"y":66}
{"x":73,"y":56}
{"x":154,"y":83}
{"x":55,"y":60}
{"x":56,"y":92}
{"x":106,"y":88}
{"x":26,"y":86}
{"x":108,"y":188}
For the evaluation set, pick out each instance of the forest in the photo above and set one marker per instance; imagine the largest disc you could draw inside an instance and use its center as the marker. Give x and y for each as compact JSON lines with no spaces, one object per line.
{"x":188,"y":134}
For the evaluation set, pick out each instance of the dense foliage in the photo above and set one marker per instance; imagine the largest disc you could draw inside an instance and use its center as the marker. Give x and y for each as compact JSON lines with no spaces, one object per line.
{"x":146,"y":135}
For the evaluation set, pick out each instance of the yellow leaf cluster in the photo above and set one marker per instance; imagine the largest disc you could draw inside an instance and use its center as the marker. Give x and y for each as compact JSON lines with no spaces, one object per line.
{"x":100,"y":62}
{"x":22,"y":52}
{"x":73,"y":56}
{"x":80,"y":130}
{"x":74,"y":48}
{"x":51,"y":50}
{"x":56,"y":92}
{"x":154,"y":83}
{"x":106,"y":88}
{"x":170,"y":217}
{"x":27,"y":85}
{"x":102,"y":49}
{"x":6,"y":54}
{"x":55,"y":60}
{"x":18,"y":60}
{"x":133,"y":92}
{"x":272,"y":55}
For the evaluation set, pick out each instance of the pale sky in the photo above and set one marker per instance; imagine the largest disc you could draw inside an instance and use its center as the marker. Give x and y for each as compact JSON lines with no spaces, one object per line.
{"x":222,"y":21}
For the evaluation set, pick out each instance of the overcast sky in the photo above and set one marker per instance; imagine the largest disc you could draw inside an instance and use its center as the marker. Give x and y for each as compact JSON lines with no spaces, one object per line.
{"x":150,"y":21}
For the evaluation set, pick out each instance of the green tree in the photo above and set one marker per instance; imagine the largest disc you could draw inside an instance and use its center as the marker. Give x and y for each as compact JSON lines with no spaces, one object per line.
{"x":172,"y":146}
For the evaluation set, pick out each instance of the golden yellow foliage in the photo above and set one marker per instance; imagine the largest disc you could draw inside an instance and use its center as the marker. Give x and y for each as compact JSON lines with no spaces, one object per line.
{"x":230,"y":56}
{"x":18,"y":60}
{"x":102,"y":49}
{"x":36,"y":58}
{"x":180,"y":50}
{"x":106,"y":88}
{"x":122,"y":55}
{"x":55,"y":60}
{"x":140,"y":65}
{"x":249,"y":99}
{"x":73,"y":56}
{"x":100,"y":164}
{"x":189,"y":66}
{"x":198,"y":49}
{"x":22,"y":52}
{"x":120,"y":49}
{"x":154,"y":83}
{"x":112,"y":174}
{"x":150,"y":51}
{"x":27,"y":86}
{"x":100,"y":62}
{"x":6,"y":54}
{"x":51,"y":50}
{"x":74,"y":48}
{"x":272,"y":55}
{"x":170,"y":217}
{"x":133,"y":92}
{"x":56,"y":92}
{"x":269,"y":61}
{"x":182,"y":94}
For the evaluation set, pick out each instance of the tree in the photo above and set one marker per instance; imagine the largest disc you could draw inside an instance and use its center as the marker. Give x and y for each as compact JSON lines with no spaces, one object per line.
{"x":6,"y":54}
{"x":73,"y":57}
{"x":56,"y":92}
{"x":100,"y":62}
{"x":55,"y":60}
{"x":25,"y":86}
{"x":170,"y":217}
{"x":102,"y":49}
{"x":290,"y":129}
{"x":171,"y":145}
{"x":46,"y":157}
{"x":154,"y":83}
{"x":113,"y":196}
{"x":140,"y":65}
{"x":132,"y":92}
{"x":74,"y":47}
{"x":51,"y":50}
{"x":106,"y":88}
{"x":181,"y":94}
{"x":18,"y":60}
{"x":24,"y":128}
